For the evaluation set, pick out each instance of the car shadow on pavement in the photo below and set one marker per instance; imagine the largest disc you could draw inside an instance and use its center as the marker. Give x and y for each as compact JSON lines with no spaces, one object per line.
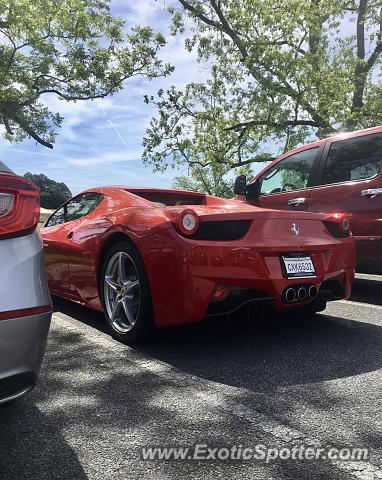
{"x":264,"y":357}
{"x":260,"y":354}
{"x":32,"y":447}
{"x":367,"y":291}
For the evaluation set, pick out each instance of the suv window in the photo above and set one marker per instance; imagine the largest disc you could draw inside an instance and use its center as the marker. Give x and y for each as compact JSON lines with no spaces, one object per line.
{"x":292,"y":173}
{"x":356,"y":158}
{"x":76,"y":208}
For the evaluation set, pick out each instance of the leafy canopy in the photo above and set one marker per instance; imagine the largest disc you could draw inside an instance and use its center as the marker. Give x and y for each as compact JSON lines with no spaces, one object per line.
{"x":280,"y":73}
{"x":75,"y":49}
{"x":53,"y":194}
{"x":212,"y":180}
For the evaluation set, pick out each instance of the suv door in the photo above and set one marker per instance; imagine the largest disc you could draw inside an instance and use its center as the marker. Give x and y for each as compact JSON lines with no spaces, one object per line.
{"x":286,"y":184}
{"x":351,"y":182}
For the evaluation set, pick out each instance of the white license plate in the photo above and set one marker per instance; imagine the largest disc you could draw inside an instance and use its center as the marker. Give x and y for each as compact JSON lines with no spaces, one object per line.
{"x":299,"y":267}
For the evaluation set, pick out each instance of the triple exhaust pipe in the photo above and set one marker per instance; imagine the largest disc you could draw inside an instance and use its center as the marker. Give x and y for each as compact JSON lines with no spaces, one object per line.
{"x":300,"y":293}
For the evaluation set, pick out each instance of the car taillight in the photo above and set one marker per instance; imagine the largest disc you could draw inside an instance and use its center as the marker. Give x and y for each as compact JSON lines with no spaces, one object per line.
{"x":339,"y":225}
{"x":345,"y":225}
{"x":187,"y":222}
{"x":19,"y":206}
{"x":6,"y":203}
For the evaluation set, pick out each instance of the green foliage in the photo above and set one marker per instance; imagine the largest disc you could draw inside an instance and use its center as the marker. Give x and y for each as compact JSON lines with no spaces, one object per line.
{"x":53,"y":194}
{"x":75,"y":49}
{"x":280,"y":73}
{"x":297,"y":179}
{"x":193,"y":128}
{"x":214,"y":180}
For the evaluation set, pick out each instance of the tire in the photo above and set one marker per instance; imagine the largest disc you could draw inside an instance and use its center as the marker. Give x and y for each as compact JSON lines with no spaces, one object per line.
{"x":126,"y":301}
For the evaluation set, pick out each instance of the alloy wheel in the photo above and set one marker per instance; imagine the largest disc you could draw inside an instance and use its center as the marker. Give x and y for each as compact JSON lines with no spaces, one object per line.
{"x":122,"y":292}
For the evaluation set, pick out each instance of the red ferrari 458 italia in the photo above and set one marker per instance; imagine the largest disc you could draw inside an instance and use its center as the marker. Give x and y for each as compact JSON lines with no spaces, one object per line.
{"x":152,"y":257}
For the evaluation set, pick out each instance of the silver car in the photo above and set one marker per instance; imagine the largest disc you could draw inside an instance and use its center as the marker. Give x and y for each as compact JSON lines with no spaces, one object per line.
{"x":25,"y":303}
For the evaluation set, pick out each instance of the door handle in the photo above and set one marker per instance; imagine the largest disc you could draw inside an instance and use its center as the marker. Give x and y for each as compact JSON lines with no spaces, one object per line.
{"x":70,"y":235}
{"x":294,"y":202}
{"x":371,"y":192}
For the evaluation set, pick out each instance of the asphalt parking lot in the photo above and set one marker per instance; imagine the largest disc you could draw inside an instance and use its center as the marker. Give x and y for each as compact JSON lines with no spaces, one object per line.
{"x":279,"y":382}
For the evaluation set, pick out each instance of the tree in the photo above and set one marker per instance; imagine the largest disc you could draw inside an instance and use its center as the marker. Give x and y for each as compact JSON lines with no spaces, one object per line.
{"x":212,"y":180}
{"x":280,"y":73}
{"x":53,"y":194}
{"x":75,"y":49}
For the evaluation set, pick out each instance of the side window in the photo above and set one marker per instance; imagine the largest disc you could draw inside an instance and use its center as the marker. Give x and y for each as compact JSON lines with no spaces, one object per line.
{"x":82,"y":205}
{"x":290,"y":174}
{"x":57,"y":218}
{"x":357,"y":158}
{"x":76,"y":208}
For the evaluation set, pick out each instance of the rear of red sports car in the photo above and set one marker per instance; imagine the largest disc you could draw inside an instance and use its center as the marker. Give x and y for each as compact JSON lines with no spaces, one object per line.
{"x":236,"y":256}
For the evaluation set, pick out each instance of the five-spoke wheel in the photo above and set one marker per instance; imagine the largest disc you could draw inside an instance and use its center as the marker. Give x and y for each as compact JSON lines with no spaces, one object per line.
{"x":122,"y":292}
{"x":126,"y":293}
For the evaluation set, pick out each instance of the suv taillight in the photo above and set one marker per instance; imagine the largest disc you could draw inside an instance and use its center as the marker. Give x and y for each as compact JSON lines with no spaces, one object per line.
{"x":19,"y":206}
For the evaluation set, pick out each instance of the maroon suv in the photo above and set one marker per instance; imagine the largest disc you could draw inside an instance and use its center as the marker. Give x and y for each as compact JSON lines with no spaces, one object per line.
{"x":338,"y":174}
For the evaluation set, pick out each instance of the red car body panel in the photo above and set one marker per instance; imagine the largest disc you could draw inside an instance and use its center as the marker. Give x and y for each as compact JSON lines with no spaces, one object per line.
{"x":346,"y":197}
{"x":184,"y":272}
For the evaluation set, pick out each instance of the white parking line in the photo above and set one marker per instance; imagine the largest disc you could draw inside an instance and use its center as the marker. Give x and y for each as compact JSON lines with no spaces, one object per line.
{"x":364,"y":276}
{"x":361,"y":304}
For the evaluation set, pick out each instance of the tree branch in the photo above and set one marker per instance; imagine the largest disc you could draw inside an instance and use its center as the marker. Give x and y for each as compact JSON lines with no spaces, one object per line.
{"x":228,"y":30}
{"x":32,"y":133}
{"x":7,"y":126}
{"x":36,"y":137}
{"x":257,"y":159}
{"x":199,"y":14}
{"x":361,"y":29}
{"x":94,"y":96}
{"x":289,"y":123}
{"x":205,"y":184}
{"x":297,"y":48}
{"x":359,"y":71}
{"x":378,"y":49}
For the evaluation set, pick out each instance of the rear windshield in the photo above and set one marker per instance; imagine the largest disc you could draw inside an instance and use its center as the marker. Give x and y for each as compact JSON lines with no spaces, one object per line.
{"x":172,"y":198}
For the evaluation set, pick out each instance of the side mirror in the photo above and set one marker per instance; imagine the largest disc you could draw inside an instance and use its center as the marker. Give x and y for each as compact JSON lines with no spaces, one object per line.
{"x":253,"y":191}
{"x":240,"y":186}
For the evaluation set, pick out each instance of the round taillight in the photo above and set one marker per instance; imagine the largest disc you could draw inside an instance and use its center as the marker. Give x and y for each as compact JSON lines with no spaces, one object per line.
{"x":187,"y":222}
{"x":345,"y":224}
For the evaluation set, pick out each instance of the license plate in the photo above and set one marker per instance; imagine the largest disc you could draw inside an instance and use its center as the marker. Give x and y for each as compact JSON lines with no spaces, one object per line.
{"x":297,"y":267}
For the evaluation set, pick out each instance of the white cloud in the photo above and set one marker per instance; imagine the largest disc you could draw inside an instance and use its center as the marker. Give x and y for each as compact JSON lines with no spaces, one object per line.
{"x":105,"y":158}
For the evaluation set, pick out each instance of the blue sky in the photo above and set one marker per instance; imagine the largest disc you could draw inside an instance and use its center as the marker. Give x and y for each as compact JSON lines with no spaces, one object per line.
{"x":100,"y":142}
